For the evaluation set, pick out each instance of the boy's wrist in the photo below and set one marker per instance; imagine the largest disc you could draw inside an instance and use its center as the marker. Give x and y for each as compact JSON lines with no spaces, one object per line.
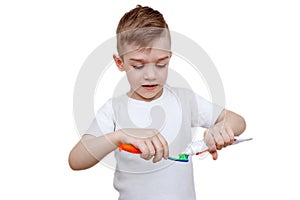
{"x":116,"y":137}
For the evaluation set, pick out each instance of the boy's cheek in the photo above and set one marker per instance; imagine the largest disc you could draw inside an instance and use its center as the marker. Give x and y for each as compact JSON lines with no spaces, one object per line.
{"x":133,"y":81}
{"x":127,"y":68}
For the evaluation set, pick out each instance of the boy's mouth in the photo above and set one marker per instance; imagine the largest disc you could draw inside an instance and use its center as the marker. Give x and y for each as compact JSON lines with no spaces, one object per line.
{"x":150,"y":87}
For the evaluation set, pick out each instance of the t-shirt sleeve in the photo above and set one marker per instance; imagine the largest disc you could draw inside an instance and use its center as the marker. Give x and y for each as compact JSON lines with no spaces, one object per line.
{"x":103,"y":123}
{"x":204,"y":112}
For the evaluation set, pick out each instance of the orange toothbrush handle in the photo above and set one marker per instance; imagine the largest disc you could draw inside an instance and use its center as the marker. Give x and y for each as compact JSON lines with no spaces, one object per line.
{"x":129,"y":148}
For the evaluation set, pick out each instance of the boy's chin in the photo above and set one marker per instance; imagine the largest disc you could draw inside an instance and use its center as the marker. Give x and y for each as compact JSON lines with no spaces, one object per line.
{"x":150,"y":97}
{"x":146,"y":96}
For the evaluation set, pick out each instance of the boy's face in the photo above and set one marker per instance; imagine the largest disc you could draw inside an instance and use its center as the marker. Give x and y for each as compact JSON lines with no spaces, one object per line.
{"x":146,"y":70}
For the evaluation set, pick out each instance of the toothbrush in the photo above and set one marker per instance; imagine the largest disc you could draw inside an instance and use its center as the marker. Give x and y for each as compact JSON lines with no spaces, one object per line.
{"x":132,"y":149}
{"x":194,"y":148}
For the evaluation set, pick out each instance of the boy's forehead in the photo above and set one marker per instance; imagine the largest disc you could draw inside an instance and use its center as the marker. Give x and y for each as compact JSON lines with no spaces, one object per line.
{"x":160,"y":44}
{"x":147,"y":53}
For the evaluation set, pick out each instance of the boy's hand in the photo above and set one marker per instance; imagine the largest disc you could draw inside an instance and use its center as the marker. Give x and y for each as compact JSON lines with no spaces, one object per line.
{"x":149,"y":141}
{"x":217,"y":138}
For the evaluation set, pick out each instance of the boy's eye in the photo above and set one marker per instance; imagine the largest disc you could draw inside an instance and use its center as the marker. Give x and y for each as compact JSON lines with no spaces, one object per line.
{"x":161,"y":65}
{"x":140,"y":66}
{"x":137,"y":66}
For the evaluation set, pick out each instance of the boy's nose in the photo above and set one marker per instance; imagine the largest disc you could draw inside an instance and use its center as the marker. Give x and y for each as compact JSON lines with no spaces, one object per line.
{"x":149,"y":73}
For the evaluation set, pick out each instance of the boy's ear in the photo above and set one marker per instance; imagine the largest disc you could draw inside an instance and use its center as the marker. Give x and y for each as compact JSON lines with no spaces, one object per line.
{"x":119,"y":62}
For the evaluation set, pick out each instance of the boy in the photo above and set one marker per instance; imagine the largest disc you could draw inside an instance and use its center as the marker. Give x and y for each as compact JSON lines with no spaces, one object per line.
{"x":152,"y":116}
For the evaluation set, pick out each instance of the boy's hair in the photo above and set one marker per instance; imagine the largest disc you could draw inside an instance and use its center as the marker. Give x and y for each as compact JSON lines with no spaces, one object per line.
{"x":140,"y":26}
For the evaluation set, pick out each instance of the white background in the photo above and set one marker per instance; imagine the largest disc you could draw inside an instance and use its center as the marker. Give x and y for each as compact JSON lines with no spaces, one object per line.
{"x":254,"y":44}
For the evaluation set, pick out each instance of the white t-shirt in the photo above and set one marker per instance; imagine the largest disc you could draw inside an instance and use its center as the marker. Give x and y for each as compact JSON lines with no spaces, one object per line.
{"x":174,"y":113}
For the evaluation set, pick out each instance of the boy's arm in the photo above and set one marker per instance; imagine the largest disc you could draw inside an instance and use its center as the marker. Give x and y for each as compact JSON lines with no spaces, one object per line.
{"x":91,"y":149}
{"x":228,"y":125}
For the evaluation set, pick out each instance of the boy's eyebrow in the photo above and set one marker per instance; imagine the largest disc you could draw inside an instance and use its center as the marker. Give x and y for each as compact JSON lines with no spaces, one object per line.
{"x":136,"y":59}
{"x":163,"y":58}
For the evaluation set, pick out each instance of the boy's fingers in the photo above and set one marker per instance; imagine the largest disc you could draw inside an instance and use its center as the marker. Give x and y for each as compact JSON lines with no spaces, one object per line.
{"x":159,"y":150}
{"x":144,"y":149}
{"x":150,"y":147}
{"x":218,"y":139}
{"x":214,"y":155}
{"x":151,"y":150}
{"x":230,"y":134}
{"x":210,"y":142}
{"x":165,"y":146}
{"x":226,"y":137}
